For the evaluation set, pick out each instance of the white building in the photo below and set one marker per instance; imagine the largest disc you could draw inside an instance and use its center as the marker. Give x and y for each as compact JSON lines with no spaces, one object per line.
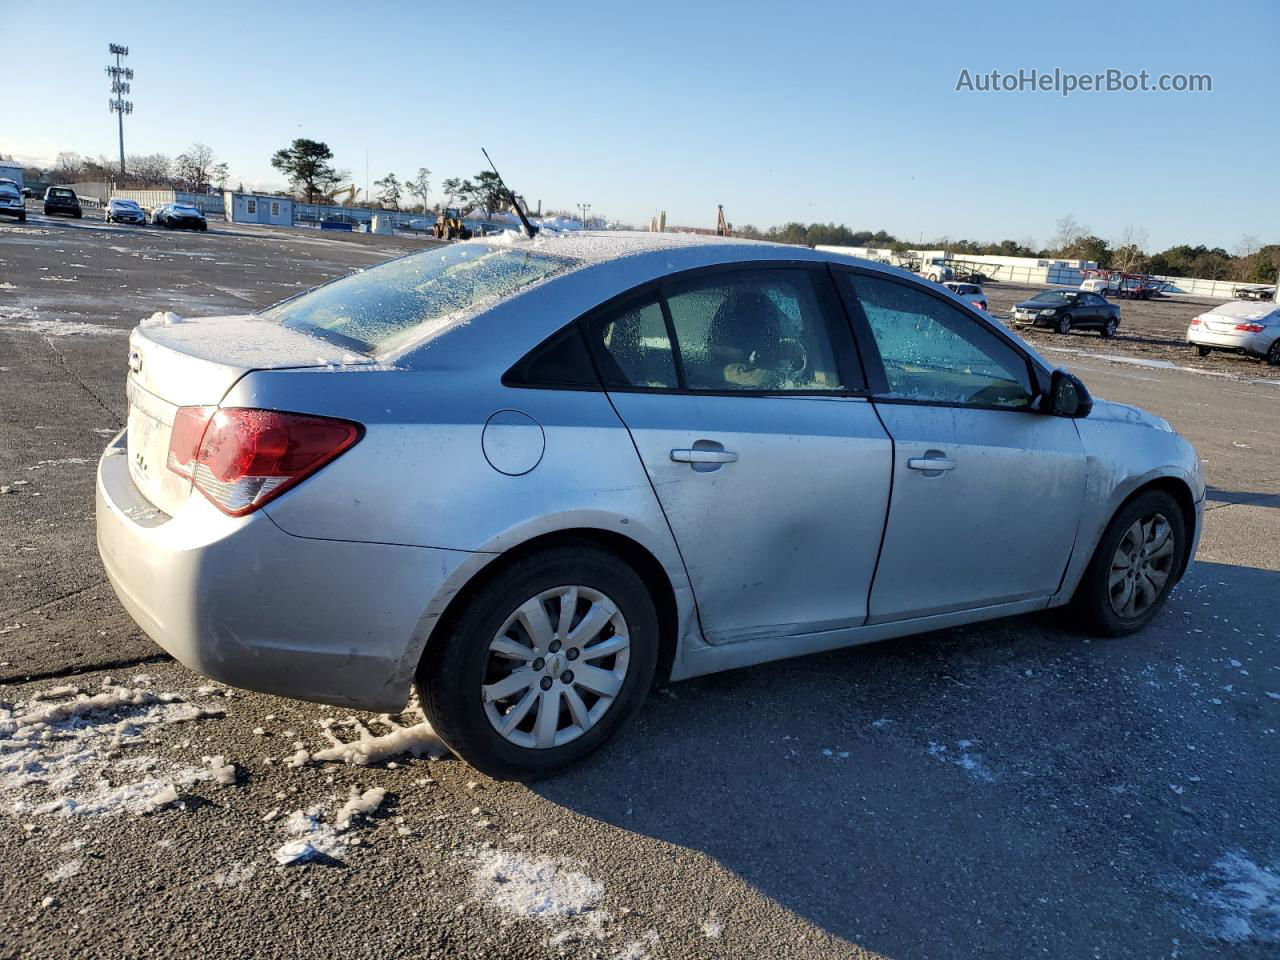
{"x":258,"y":208}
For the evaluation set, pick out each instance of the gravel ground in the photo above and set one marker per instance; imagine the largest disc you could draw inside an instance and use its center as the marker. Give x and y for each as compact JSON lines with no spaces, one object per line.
{"x":1008,"y":789}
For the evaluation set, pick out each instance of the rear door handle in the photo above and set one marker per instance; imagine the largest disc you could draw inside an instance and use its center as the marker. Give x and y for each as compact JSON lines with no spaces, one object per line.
{"x":931,"y":464}
{"x":704,"y":456}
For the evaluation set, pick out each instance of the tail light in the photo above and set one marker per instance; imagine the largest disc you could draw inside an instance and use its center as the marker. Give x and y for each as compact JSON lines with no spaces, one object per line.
{"x":1195,"y":321}
{"x":1250,"y":327}
{"x":241,"y":458}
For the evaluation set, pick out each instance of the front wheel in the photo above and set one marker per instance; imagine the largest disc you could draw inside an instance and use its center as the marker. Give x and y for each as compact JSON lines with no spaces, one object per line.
{"x":1109,"y":328}
{"x":1273,"y":354}
{"x":1064,"y":323}
{"x":546,"y":662}
{"x":1137,"y":562}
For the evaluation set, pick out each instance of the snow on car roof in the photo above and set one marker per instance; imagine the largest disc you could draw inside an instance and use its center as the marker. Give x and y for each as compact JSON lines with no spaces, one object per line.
{"x":597,"y":246}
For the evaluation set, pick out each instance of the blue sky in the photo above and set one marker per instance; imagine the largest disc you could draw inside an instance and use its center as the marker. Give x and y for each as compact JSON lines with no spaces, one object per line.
{"x":832,"y":111}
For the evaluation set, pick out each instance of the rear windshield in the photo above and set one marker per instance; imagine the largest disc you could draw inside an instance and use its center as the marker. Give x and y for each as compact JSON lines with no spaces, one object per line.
{"x":61,"y":193}
{"x":387,"y":307}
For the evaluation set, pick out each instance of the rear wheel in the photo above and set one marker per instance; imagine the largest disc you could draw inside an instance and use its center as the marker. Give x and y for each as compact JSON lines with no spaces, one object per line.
{"x":544,"y":664}
{"x":1203,"y":351}
{"x":1064,"y":323}
{"x":1273,"y":354}
{"x":1137,"y":562}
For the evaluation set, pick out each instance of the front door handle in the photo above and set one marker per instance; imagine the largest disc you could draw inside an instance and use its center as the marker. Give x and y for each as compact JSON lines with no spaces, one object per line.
{"x":704,"y":456}
{"x":931,"y":464}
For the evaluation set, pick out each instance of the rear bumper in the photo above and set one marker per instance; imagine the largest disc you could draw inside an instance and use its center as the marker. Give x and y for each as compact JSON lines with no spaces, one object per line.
{"x":243,"y":602}
{"x":1255,"y":343}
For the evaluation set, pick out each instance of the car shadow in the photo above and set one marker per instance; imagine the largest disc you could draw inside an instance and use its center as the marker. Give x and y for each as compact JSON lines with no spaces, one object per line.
{"x":1251,"y":498}
{"x":988,"y":790}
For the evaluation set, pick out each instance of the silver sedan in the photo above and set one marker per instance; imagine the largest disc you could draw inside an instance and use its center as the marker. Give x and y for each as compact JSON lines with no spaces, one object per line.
{"x":533,"y":476}
{"x":1238,"y":327}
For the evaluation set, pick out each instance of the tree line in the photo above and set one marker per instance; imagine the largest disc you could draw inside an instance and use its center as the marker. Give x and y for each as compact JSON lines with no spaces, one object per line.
{"x":1250,"y":262}
{"x":196,"y":170}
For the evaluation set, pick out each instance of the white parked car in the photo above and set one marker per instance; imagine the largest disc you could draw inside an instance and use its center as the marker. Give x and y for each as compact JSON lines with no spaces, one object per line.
{"x":970,"y":293}
{"x":1239,"y":327}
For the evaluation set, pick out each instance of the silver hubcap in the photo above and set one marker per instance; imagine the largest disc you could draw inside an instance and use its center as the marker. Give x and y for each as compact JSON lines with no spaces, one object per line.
{"x":555,"y":667}
{"x":1141,"y":566}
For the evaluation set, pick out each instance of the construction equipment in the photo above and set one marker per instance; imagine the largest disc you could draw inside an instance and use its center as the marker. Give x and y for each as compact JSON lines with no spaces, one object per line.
{"x":722,"y":225}
{"x":449,"y":225}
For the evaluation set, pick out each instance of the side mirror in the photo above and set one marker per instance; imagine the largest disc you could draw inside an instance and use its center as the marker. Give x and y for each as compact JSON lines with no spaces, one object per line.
{"x":1068,"y":396}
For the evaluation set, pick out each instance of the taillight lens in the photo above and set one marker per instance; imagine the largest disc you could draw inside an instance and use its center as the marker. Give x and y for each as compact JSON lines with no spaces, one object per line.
{"x":1250,"y":327}
{"x":241,"y":458}
{"x":184,"y":442}
{"x":1195,"y":321}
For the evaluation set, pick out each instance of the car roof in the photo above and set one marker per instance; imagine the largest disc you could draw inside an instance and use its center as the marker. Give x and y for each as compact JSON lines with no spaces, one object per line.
{"x":610,"y":264}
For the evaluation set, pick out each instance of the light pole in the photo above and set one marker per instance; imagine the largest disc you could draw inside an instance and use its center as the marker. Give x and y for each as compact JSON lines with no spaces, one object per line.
{"x":120,"y":77}
{"x":584,"y":207}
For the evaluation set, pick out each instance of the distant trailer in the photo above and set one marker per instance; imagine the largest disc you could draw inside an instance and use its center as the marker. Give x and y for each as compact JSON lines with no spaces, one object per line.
{"x":1122,"y":285}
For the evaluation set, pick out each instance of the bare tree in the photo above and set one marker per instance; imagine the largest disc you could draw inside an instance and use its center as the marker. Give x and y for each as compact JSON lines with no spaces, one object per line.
{"x":1069,"y":232}
{"x":150,"y":168}
{"x":1129,"y":251}
{"x":195,"y":167}
{"x":1247,"y":246}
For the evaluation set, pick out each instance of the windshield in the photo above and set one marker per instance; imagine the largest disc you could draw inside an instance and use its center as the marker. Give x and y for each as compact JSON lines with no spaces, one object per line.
{"x":124,"y":204}
{"x":184,"y":208}
{"x":7,"y":190}
{"x":1056,"y":296}
{"x":388,"y":306}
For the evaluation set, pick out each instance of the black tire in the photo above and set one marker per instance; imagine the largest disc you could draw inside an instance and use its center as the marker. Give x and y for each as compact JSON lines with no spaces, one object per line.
{"x":1203,"y":351}
{"x":79,"y":214}
{"x":453,"y":667}
{"x":1092,"y":599}
{"x":22,"y":218}
{"x":1109,"y":327}
{"x":1064,"y":324}
{"x":1273,"y":354}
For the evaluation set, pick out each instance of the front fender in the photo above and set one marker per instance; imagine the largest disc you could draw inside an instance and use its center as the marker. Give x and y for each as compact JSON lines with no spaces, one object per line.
{"x":1122,"y":458}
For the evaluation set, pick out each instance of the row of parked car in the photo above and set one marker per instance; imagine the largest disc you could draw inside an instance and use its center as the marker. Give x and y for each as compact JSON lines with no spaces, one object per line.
{"x":1248,"y":328}
{"x":63,"y":200}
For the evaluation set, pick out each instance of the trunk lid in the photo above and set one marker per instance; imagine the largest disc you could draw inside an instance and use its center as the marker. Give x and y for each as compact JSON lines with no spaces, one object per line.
{"x":177,"y":362}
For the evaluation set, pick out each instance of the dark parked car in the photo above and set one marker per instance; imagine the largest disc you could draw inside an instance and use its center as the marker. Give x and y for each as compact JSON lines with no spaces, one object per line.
{"x":1064,"y":309}
{"x":179,"y":216}
{"x":11,"y":201}
{"x":125,"y":211}
{"x":62,"y":200}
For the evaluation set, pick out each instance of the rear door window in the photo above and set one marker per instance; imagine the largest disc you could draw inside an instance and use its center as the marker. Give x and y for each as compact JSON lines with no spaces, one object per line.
{"x":753,"y":329}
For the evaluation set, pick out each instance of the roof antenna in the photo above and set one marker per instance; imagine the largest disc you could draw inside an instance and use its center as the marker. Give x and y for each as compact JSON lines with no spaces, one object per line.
{"x":528,"y":228}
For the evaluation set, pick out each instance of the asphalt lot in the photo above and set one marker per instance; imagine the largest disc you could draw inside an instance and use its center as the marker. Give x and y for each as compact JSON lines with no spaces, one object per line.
{"x":1009,"y":789}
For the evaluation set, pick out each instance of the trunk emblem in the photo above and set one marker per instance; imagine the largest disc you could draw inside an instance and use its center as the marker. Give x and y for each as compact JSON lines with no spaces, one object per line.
{"x":135,"y":361}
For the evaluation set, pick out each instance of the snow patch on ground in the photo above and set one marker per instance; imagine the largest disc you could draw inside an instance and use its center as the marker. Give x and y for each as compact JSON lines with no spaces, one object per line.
{"x":537,"y":889}
{"x":368,"y":747}
{"x":963,"y":757}
{"x":56,"y":328}
{"x":71,"y":754}
{"x":1237,"y":901}
{"x":315,"y":835}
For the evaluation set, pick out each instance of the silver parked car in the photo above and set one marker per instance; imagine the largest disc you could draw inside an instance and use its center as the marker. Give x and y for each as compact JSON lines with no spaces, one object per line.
{"x":534,"y":475}
{"x":1238,"y":327}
